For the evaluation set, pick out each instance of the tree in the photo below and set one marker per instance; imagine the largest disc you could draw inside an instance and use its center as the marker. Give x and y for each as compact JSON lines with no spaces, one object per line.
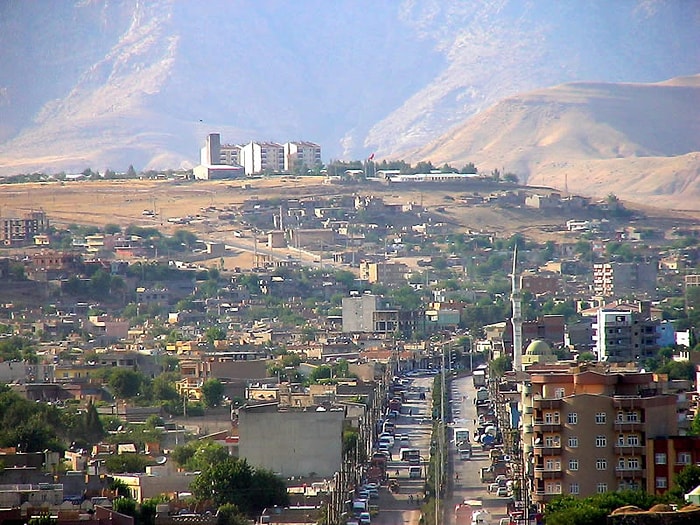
{"x":212,"y":393}
{"x":229,"y":514}
{"x":111,"y":228}
{"x":91,"y":427}
{"x":215,"y":333}
{"x":233,"y":481}
{"x":500,"y":366}
{"x":126,"y":462}
{"x":686,"y":480}
{"x":124,"y":506}
{"x":125,"y":383}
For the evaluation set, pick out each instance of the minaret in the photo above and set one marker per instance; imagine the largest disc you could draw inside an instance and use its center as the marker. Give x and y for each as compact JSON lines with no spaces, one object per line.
{"x":517,"y":319}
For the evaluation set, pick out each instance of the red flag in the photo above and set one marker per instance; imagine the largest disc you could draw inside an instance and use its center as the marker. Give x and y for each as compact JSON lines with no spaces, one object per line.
{"x":371,"y":157}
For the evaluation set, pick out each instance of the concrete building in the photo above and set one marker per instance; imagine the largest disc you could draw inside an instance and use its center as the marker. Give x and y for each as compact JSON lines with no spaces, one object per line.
{"x":369,"y":313}
{"x":387,"y":273}
{"x":623,"y":335}
{"x":260,"y":157}
{"x":21,"y":230}
{"x":586,"y":429}
{"x":211,"y":167}
{"x":668,"y":456}
{"x":301,"y":154}
{"x":292,"y":442}
{"x":618,"y":279}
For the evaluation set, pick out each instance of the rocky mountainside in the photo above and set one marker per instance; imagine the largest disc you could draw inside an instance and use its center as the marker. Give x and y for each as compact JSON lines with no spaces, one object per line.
{"x":101,"y":84}
{"x":639,"y":141}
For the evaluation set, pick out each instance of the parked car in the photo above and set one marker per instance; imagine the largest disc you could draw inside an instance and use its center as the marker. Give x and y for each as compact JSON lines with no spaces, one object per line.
{"x":502,"y":491}
{"x":365,"y":518}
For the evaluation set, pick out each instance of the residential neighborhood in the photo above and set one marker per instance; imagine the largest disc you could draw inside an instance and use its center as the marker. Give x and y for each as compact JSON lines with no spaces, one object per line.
{"x":281,"y":356}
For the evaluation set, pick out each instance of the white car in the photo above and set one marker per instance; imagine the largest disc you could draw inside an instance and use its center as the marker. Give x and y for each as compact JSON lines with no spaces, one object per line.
{"x":365,"y":518}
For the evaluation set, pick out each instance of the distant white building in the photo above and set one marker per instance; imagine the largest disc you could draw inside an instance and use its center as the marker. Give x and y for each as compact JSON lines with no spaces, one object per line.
{"x":259,"y":157}
{"x":211,"y":166}
{"x":305,"y":154}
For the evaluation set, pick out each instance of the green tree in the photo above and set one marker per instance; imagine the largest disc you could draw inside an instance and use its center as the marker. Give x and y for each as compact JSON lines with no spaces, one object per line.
{"x":126,"y":462}
{"x":212,"y":393}
{"x":111,"y":228}
{"x":500,"y":366}
{"x":685,"y":481}
{"x":43,"y":519}
{"x":229,"y":514}
{"x":215,"y":333}
{"x":125,"y":506}
{"x":125,"y":383}
{"x":233,"y":481}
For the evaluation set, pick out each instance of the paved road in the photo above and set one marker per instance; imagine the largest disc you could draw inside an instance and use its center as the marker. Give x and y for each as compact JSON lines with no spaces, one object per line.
{"x":466,"y":483}
{"x":402,"y":508}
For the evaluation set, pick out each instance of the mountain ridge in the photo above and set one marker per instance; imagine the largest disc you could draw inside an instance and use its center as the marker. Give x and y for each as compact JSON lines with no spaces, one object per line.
{"x":109,"y":84}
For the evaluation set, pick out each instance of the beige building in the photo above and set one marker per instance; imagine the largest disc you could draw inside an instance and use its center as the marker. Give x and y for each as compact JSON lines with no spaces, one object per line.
{"x":387,"y":273}
{"x":260,"y":157}
{"x":304,"y":154}
{"x":586,"y":429}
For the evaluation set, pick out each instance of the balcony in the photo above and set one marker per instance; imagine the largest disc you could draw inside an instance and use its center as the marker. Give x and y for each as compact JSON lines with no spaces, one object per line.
{"x":632,"y":450}
{"x":627,"y":473}
{"x":541,"y":496}
{"x":628,"y":426}
{"x":542,"y":426}
{"x":548,"y":473}
{"x":627,"y":401}
{"x":547,"y":450}
{"x":547,"y":403}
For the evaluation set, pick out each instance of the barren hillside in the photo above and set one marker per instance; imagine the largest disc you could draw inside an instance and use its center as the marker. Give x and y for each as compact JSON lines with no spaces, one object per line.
{"x":640,"y":141}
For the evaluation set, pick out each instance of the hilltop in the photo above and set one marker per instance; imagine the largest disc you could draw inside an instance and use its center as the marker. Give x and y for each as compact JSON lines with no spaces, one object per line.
{"x":639,"y":141}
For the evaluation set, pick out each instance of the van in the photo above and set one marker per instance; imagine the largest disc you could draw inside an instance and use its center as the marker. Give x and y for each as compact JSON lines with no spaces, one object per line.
{"x":414,"y":472}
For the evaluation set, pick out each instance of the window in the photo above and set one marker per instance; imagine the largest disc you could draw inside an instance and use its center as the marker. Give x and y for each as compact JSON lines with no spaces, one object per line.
{"x":601,"y":488}
{"x":553,"y":488}
{"x":660,"y":458}
{"x":620,"y":417}
{"x":551,"y":441}
{"x":601,"y":464}
{"x":573,"y":464}
{"x":633,"y":464}
{"x":550,"y":465}
{"x":621,"y":464}
{"x":632,"y":417}
{"x":600,"y":418}
{"x":621,"y":440}
{"x":684,"y":458}
{"x":573,"y":442}
{"x":559,"y":393}
{"x":572,"y":418}
{"x":601,"y":441}
{"x":633,"y":440}
{"x":549,"y":418}
{"x":573,"y":488}
{"x":661,"y":483}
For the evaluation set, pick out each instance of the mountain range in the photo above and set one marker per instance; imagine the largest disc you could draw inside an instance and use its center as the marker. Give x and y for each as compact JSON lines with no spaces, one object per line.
{"x":105,"y":84}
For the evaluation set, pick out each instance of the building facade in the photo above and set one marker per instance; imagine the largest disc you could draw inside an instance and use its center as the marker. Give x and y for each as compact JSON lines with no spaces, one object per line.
{"x":623,"y":335}
{"x":586,"y":430}
{"x":387,"y":273}
{"x":21,"y":230}
{"x":310,"y":445}
{"x":261,"y":157}
{"x":301,"y":155}
{"x":613,"y":279}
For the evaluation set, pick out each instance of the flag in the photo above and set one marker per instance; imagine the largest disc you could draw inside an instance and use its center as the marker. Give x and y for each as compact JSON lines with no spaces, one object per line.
{"x":371,"y":157}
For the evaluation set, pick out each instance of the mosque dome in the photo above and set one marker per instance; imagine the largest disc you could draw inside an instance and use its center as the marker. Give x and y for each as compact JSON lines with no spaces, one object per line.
{"x":539,"y":347}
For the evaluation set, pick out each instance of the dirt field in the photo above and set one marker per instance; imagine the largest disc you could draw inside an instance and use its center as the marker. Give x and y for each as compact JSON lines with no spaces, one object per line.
{"x":123,"y":203}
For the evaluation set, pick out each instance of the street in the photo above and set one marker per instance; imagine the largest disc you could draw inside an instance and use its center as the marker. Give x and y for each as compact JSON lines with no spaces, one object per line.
{"x":466,"y":484}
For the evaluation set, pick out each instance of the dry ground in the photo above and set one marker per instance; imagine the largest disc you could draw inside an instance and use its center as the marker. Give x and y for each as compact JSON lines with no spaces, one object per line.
{"x":123,"y":202}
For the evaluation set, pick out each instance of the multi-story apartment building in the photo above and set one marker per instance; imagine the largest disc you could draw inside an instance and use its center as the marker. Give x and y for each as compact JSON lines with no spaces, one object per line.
{"x":301,"y":154}
{"x":374,"y":314}
{"x":260,"y":157}
{"x":586,"y":429}
{"x":230,"y":154}
{"x":14,"y":230}
{"x":624,"y":335}
{"x":617,"y":279}
{"x":667,"y":458}
{"x":387,"y":273}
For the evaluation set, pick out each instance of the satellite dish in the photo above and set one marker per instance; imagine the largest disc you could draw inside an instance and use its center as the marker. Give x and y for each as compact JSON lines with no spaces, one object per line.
{"x":538,"y":441}
{"x":161,"y":460}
